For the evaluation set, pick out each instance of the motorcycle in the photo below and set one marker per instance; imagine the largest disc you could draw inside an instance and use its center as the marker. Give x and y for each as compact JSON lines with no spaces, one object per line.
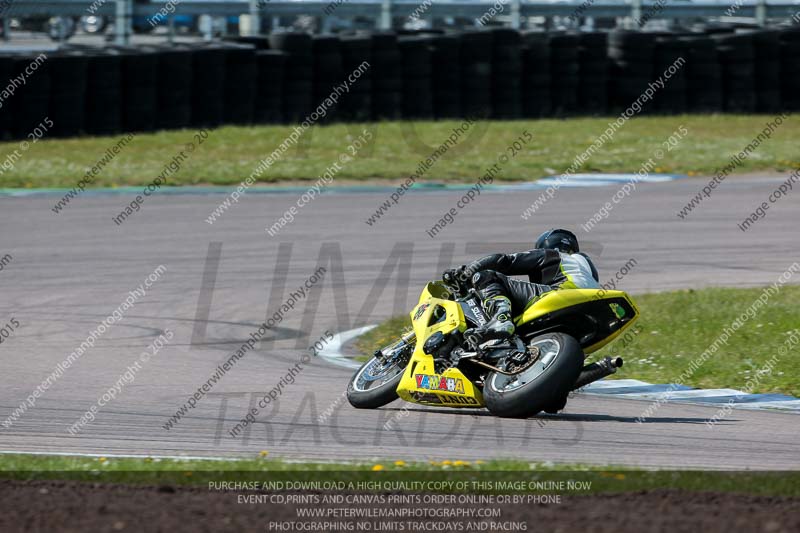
{"x":532,"y":371}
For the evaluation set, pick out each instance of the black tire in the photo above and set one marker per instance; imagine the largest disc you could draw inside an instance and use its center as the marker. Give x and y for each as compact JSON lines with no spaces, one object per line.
{"x":630,"y":39}
{"x":54,"y":25}
{"x":296,"y":44}
{"x":556,"y":406}
{"x":383,"y":394}
{"x":260,"y":42}
{"x":208,"y":94}
{"x":175,"y":87}
{"x":68,"y":93}
{"x":548,"y":386}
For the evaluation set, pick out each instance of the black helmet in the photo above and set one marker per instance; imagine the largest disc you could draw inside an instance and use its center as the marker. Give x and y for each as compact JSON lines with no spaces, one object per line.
{"x":559,"y":239}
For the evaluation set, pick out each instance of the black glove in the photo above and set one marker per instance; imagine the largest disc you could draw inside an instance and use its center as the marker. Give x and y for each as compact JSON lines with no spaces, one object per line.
{"x":457,"y":276}
{"x":450,"y":277}
{"x":464,"y":274}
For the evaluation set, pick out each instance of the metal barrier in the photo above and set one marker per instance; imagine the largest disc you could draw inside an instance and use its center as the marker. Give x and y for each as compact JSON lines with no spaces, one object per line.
{"x":384,"y":10}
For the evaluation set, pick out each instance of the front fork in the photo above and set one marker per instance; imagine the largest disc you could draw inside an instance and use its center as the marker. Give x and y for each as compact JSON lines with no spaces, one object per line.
{"x":406,"y":340}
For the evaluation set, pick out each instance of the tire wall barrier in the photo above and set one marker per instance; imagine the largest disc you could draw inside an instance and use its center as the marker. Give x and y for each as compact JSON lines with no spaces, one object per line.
{"x":500,"y":73}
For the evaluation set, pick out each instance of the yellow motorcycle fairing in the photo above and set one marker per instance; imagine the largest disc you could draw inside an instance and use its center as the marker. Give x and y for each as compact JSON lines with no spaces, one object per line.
{"x":432,"y":290}
{"x":595,"y":317}
{"x":420,"y":382}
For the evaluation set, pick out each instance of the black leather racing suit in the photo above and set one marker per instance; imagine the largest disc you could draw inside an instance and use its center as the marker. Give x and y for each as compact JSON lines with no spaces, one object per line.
{"x":546,"y":270}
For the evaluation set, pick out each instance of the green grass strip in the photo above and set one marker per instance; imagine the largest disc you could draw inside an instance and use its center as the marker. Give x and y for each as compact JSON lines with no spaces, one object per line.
{"x":232,"y":153}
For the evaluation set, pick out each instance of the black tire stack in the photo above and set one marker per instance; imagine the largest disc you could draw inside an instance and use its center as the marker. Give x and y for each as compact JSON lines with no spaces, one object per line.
{"x":506,"y":73}
{"x":6,"y":116}
{"x":208,"y":97}
{"x":767,"y":49}
{"x":103,"y":93}
{"x":356,"y":105}
{"x":631,"y":56}
{"x":669,"y":63}
{"x":328,"y":71}
{"x":241,"y":77}
{"x":387,"y":80}
{"x":139,"y":67}
{"x":30,"y":104}
{"x":68,"y":83}
{"x":175,"y":81}
{"x":269,"y":92}
{"x":491,"y":72}
{"x":536,"y":101}
{"x":593,"y":73}
{"x":446,"y":75}
{"x":415,"y":53}
{"x":259,"y":42}
{"x":790,"y":69}
{"x":564,"y":73}
{"x":476,"y":73}
{"x":298,"y":84}
{"x":703,"y":74}
{"x":736,"y":57}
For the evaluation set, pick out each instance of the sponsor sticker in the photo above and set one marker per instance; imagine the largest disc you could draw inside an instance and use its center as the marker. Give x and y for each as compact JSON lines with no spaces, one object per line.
{"x":420,"y":310}
{"x":459,"y":400}
{"x":618,"y":310}
{"x":439,"y":383}
{"x":426,"y":397}
{"x":477,"y":311}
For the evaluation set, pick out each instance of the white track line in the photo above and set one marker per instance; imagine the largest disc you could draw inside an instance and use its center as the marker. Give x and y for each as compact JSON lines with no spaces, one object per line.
{"x":124,"y":456}
{"x":173,"y":457}
{"x":332,"y":352}
{"x":620,"y":388}
{"x":641,"y":390}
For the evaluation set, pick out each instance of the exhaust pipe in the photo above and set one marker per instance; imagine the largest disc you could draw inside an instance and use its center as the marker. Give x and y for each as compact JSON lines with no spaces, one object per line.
{"x":598,"y":370}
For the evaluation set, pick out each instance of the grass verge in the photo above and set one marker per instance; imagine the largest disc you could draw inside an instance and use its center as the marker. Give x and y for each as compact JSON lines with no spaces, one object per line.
{"x":386,"y":333}
{"x":201,"y":472}
{"x":231,"y":153}
{"x":676,"y":327}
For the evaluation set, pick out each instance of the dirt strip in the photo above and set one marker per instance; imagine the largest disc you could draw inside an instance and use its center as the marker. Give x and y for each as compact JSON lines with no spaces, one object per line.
{"x":67,"y":506}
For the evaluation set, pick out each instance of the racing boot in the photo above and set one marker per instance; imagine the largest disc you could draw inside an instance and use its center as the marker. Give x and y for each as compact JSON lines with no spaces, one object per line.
{"x":496,"y":305}
{"x":500,"y":325}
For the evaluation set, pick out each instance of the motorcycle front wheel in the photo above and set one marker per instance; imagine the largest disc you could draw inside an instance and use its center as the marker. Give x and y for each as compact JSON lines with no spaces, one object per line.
{"x":535,"y":388}
{"x":375,"y":383}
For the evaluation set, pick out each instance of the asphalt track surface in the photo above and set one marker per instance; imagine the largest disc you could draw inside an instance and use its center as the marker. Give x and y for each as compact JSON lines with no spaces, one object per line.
{"x":70,"y":271}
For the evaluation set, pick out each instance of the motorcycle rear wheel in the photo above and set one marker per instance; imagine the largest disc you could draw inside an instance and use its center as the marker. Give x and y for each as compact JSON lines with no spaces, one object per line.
{"x":534,"y":389}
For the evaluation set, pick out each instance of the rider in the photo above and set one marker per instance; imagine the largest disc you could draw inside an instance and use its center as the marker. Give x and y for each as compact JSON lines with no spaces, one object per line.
{"x":555,"y":263}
